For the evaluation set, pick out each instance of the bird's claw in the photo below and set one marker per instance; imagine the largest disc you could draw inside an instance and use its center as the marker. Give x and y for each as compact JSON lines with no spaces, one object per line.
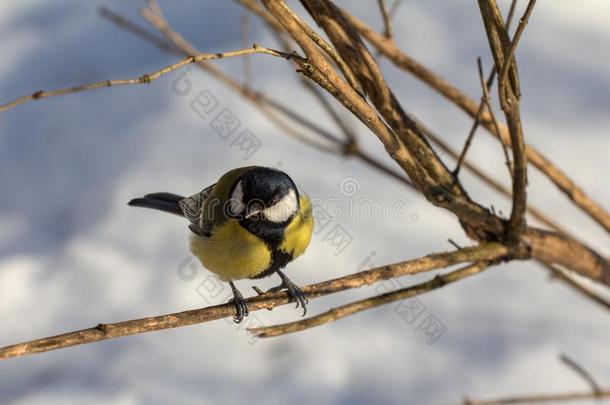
{"x":241,"y":308}
{"x":294,"y":292}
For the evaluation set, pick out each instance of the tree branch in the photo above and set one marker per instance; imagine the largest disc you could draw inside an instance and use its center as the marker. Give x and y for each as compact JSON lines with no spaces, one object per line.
{"x":261,"y":100}
{"x":582,"y":373}
{"x":254,"y":7}
{"x":484,"y":98}
{"x":486,"y":252}
{"x":403,"y":61}
{"x":146,"y":78}
{"x":387,"y":20}
{"x":577,"y":285}
{"x":540,"y":398}
{"x":362,"y":305}
{"x":509,"y":92}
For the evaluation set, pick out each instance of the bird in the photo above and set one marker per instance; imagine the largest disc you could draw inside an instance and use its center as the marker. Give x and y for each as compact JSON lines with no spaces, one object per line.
{"x":248,"y":225}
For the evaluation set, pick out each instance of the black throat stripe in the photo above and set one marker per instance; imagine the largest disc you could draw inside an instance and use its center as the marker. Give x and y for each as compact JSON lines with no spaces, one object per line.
{"x":271,"y":233}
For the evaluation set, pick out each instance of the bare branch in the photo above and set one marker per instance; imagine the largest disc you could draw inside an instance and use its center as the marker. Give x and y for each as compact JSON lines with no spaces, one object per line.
{"x":490,"y":181}
{"x":552,"y":248}
{"x":513,"y":46}
{"x":389,"y":49}
{"x":487,"y":101}
{"x":326,"y":47}
{"x":146,"y":78}
{"x":138,"y":31}
{"x":509,"y":93}
{"x":577,"y":285}
{"x":387,"y":21}
{"x":486,"y":252}
{"x":584,"y":374}
{"x":362,"y":305}
{"x":261,"y":100}
{"x":540,"y":398}
{"x":485,"y":85}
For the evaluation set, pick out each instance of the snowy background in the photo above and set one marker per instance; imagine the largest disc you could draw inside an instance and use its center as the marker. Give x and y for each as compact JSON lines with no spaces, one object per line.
{"x":72,"y":254}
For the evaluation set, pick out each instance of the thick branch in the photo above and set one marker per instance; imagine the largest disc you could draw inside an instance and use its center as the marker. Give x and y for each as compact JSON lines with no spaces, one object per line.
{"x":477,"y":221}
{"x":552,"y":248}
{"x":318,"y":69}
{"x":254,"y":7}
{"x":277,"y":112}
{"x":390,"y":50}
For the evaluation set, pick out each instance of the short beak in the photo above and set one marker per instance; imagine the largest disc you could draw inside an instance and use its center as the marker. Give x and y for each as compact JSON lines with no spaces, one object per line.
{"x":253,"y":210}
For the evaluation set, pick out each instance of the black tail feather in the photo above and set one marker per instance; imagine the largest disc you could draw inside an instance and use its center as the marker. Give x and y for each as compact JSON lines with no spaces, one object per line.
{"x":166,"y":202}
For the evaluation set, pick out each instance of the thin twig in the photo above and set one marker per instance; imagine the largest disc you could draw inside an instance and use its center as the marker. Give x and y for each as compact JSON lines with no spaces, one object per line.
{"x":491,"y":182}
{"x":326,"y":47}
{"x":509,"y":92}
{"x":350,"y":143}
{"x":540,"y":398}
{"x":453,"y":243}
{"x":577,"y":285}
{"x":487,"y":252}
{"x":348,"y":132}
{"x":511,"y":13}
{"x":126,"y":24}
{"x":259,"y":99}
{"x":394,"y":9}
{"x":513,"y":46}
{"x":487,"y":101}
{"x":403,"y":141}
{"x":146,"y":78}
{"x":362,"y":305}
{"x":481,"y":109}
{"x":477,"y":120}
{"x":405,"y":62}
{"x":387,"y":23}
{"x":584,"y":374}
{"x":276,"y":119}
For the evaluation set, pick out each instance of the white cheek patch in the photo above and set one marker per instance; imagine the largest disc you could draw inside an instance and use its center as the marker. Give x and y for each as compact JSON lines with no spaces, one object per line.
{"x":236,"y":203}
{"x":283,"y":209}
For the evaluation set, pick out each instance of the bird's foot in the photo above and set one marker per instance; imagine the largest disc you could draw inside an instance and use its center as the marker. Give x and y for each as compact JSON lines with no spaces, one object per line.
{"x":241,"y":308}
{"x":293,"y":291}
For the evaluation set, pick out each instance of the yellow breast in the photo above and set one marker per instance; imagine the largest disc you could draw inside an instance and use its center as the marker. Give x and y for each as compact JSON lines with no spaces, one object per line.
{"x":232,"y":252}
{"x":298,"y":233}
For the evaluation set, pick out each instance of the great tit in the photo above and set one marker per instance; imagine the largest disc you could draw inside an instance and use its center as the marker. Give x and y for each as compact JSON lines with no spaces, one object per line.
{"x":250,"y":224}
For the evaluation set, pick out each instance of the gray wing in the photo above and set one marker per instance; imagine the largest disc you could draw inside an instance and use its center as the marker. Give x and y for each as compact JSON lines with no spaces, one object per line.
{"x":192,"y":208}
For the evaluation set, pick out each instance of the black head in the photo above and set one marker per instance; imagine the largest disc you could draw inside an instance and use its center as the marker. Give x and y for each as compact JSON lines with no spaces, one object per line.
{"x":264,"y":194}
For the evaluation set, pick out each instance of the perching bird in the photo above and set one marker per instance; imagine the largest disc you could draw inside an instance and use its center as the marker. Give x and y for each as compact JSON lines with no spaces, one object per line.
{"x":250,"y":224}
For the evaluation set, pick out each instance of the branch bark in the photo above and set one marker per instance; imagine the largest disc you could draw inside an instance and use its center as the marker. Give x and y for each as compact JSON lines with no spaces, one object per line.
{"x":362,"y":305}
{"x":402,"y":60}
{"x":509,"y":94}
{"x":541,"y":398}
{"x":405,"y":140}
{"x":486,"y":252}
{"x":144,"y":79}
